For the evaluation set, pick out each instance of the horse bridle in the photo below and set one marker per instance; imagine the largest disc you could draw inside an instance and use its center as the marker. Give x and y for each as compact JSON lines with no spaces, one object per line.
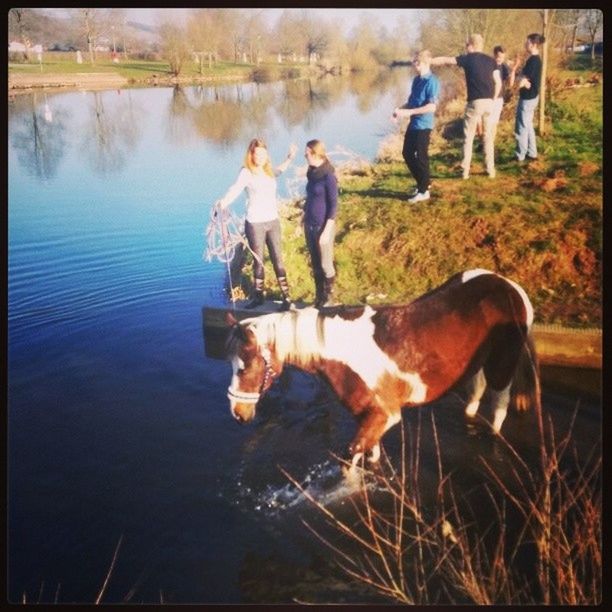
{"x":248,"y":397}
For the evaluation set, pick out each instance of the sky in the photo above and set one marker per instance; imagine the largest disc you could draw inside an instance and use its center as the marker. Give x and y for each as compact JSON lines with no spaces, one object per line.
{"x":348,"y":17}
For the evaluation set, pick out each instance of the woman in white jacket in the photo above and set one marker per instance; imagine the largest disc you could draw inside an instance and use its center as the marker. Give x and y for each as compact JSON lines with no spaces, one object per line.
{"x":262,"y":226}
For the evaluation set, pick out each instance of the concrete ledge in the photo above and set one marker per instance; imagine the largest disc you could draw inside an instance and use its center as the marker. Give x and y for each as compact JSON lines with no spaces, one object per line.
{"x":555,"y":345}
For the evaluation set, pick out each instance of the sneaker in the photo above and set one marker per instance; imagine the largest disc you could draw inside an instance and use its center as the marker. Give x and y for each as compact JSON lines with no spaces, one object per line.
{"x":419,"y":197}
{"x":491,"y":174}
{"x":413,"y":192}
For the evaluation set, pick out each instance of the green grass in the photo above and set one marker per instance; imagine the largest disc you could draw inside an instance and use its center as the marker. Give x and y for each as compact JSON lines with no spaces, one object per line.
{"x":137,"y":70}
{"x":539,"y":223}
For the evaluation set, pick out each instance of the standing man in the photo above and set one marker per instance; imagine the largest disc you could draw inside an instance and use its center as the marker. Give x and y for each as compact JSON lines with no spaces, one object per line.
{"x":529,"y":93}
{"x":483,"y":83}
{"x":419,"y":109}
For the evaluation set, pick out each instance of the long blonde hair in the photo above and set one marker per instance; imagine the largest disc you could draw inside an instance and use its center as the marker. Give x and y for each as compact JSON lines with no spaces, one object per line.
{"x":248,"y":158}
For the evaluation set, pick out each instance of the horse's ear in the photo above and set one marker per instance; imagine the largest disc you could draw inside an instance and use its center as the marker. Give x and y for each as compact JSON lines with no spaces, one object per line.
{"x":230,"y":319}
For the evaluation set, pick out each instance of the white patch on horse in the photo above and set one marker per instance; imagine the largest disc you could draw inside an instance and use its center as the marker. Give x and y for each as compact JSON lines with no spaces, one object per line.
{"x":468,"y":275}
{"x":526,"y":301}
{"x":237,"y":365}
{"x":352,"y":342}
{"x":500,"y":401}
{"x":479,"y":384}
{"x":393,"y":419}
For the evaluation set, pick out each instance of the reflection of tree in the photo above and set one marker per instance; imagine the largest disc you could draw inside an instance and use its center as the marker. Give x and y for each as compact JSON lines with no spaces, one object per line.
{"x":180,"y":121}
{"x":109,"y":137}
{"x":304,"y":100}
{"x":224,"y":119}
{"x":369,"y":86}
{"x":39,"y":136}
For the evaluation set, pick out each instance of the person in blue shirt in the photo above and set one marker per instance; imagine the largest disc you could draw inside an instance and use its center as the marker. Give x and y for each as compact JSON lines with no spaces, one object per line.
{"x":420,"y":109}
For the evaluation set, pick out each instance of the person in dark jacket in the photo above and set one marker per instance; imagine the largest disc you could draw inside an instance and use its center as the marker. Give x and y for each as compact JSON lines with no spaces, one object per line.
{"x":529,"y":93}
{"x":483,"y":84}
{"x":320,"y":219}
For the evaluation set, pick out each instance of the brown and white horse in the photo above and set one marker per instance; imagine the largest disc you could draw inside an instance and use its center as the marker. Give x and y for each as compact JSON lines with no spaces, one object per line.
{"x":475,"y":326}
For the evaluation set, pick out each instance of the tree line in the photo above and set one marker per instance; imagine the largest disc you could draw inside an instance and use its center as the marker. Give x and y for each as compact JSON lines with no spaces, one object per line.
{"x":242,"y":35}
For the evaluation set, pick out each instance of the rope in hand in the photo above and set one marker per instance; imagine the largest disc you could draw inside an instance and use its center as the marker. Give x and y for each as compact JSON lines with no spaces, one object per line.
{"x":223,"y":234}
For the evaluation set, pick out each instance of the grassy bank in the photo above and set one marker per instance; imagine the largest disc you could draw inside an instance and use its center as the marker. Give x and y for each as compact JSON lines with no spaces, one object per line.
{"x":538,"y":223}
{"x":144,"y":72}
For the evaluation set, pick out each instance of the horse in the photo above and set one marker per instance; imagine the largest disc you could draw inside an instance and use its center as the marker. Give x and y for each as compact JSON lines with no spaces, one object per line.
{"x":474,"y":328}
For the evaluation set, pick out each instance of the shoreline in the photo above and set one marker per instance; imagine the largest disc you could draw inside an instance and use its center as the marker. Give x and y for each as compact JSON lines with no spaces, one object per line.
{"x":27,"y":83}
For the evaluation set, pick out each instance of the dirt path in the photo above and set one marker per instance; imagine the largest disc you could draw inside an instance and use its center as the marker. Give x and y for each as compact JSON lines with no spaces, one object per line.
{"x":90,"y":80}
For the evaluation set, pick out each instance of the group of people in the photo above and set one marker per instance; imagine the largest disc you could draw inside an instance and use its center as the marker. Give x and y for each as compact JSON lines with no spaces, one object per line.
{"x":262,"y":224}
{"x":487,"y":79}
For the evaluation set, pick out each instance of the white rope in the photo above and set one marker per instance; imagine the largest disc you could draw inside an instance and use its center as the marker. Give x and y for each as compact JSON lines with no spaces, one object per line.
{"x":224,"y":233}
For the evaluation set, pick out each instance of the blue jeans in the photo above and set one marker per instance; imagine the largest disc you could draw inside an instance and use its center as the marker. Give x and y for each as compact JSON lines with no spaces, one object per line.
{"x":524,"y":132}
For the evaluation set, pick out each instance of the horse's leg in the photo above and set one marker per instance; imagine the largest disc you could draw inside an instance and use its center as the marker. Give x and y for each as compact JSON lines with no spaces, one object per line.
{"x":372,"y":427}
{"x":500,"y":369}
{"x":479,"y":384}
{"x":391,"y":421}
{"x":500,"y":401}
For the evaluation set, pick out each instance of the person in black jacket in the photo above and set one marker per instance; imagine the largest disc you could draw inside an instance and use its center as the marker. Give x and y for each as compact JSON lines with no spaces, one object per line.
{"x":529,"y":94}
{"x":319,"y":219}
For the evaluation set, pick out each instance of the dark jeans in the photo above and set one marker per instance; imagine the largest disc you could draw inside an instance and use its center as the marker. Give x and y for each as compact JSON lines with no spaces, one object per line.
{"x":260,"y":234}
{"x":416,"y":156}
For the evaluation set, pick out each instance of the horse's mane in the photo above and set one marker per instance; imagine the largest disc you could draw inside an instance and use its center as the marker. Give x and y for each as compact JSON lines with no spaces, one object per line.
{"x":295,"y":336}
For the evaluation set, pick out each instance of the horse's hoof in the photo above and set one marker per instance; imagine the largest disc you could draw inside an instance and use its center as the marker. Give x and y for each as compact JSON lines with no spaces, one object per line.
{"x":350,"y":472}
{"x":374,"y":455}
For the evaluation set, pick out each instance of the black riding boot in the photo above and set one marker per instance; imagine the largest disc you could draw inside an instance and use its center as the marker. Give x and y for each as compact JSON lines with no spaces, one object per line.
{"x":286,"y":304}
{"x":319,"y":283}
{"x":326,"y":293}
{"x":328,"y":290}
{"x":257,"y":298}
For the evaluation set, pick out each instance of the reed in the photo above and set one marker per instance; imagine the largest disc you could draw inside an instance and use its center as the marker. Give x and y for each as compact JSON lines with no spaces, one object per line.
{"x":540,"y":545}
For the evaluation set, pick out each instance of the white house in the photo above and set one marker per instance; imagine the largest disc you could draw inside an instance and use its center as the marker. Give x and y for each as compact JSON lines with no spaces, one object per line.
{"x":16,"y":47}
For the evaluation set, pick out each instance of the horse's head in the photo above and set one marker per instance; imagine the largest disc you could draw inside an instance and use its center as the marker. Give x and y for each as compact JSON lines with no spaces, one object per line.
{"x":253,"y":371}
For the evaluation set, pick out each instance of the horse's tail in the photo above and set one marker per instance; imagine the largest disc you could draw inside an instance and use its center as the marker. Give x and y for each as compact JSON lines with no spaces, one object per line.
{"x":525,"y":392}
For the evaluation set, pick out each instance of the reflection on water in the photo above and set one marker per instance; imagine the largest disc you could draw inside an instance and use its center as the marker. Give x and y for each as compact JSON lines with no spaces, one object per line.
{"x":111,"y":125}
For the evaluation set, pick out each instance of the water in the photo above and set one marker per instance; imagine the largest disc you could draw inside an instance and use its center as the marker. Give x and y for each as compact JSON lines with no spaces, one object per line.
{"x":118,"y":425}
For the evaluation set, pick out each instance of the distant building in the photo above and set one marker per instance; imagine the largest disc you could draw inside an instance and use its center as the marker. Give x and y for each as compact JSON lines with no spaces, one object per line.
{"x":16,"y":47}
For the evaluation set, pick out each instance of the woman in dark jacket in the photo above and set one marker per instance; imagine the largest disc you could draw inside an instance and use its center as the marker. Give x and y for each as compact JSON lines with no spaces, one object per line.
{"x":319,"y":219}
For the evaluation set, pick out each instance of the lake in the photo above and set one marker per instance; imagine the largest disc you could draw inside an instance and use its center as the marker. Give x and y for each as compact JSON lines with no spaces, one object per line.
{"x":119,"y":432}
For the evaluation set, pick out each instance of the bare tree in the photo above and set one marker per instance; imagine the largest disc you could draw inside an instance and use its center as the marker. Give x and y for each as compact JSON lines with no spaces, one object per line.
{"x":288,"y":34}
{"x":593,"y":22}
{"x":255,"y":35}
{"x":548,"y":19}
{"x":315,"y":35}
{"x":92,"y":25}
{"x":445,"y":31}
{"x":174,"y":45}
{"x":362,"y":43}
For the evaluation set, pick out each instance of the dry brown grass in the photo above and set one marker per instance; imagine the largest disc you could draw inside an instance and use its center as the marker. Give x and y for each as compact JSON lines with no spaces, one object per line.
{"x":417,"y":555}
